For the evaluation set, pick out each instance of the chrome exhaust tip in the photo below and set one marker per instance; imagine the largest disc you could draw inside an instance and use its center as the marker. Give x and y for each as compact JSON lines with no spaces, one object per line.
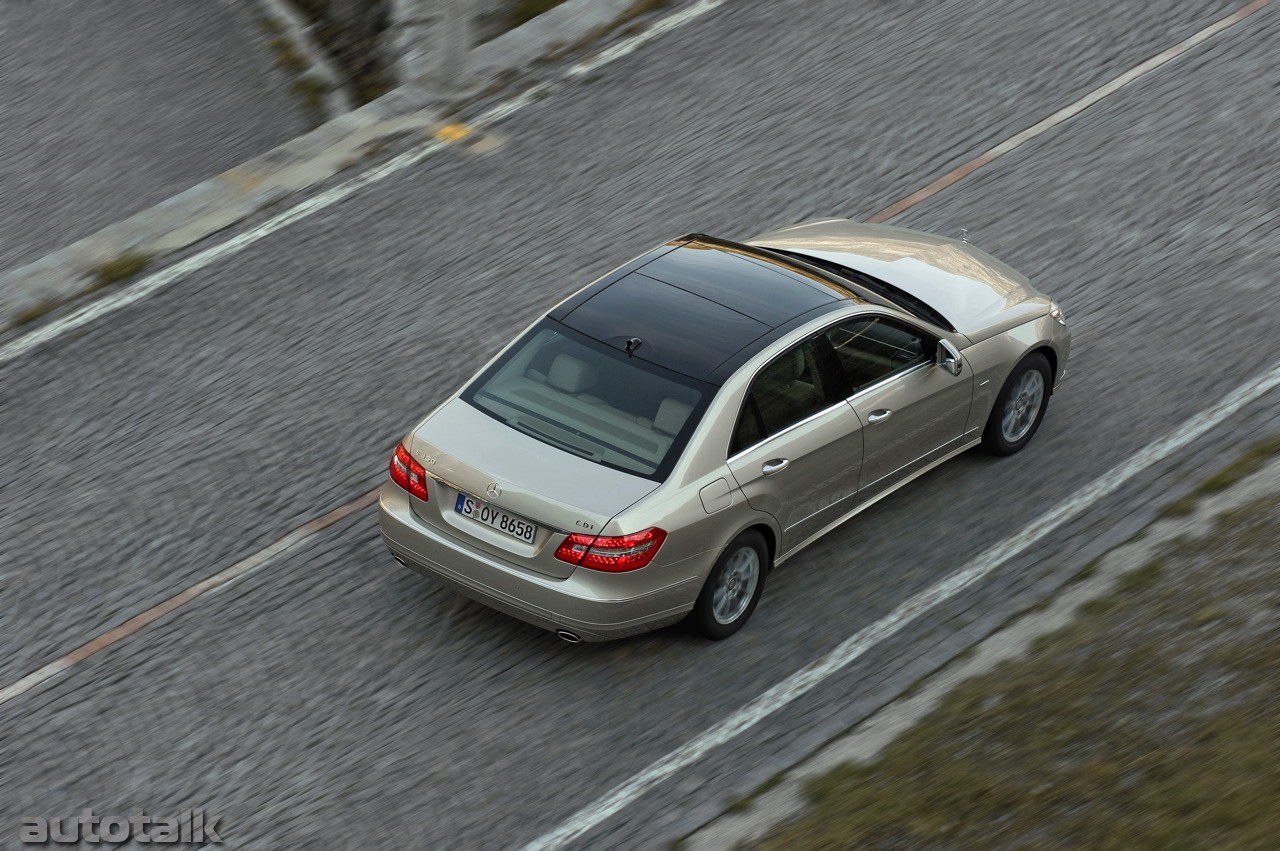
{"x":397,"y":558}
{"x":566,"y":635}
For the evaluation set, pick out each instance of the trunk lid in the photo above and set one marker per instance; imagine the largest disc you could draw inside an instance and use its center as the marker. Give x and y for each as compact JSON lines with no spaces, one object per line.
{"x":468,"y":451}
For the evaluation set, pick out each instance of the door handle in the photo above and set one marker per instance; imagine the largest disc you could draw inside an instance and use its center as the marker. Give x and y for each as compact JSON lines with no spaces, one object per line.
{"x":879,"y":416}
{"x":777,"y":465}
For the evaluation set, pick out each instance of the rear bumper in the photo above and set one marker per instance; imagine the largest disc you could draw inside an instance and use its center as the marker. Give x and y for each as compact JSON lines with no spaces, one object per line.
{"x":580,"y":605}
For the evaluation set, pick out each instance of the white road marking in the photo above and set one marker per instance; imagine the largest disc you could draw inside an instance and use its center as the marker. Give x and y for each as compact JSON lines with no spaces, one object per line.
{"x":770,"y":701}
{"x":169,"y":275}
{"x":854,"y":647}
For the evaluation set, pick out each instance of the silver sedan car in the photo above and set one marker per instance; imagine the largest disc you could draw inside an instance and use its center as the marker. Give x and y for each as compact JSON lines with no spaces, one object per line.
{"x":651,"y":448}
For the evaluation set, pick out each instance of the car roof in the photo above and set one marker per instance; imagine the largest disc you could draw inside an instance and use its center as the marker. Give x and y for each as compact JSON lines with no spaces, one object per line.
{"x":702,"y":306}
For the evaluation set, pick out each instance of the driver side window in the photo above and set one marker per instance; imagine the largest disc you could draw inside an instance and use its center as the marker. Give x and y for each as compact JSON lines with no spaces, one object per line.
{"x":872,"y":348}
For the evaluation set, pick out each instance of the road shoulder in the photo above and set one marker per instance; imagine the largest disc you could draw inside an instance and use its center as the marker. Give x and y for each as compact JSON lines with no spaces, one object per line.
{"x":1123,"y":707}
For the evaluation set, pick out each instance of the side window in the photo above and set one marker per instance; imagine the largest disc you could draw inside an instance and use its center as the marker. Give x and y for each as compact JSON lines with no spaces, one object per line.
{"x":749,"y":430}
{"x":872,"y":348}
{"x":786,"y":391}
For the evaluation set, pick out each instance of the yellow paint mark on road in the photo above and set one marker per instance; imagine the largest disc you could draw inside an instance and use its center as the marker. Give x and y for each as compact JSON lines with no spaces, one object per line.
{"x":453,"y":132}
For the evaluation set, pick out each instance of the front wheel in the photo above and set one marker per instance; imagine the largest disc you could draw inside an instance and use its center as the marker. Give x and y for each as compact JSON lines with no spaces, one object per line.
{"x":1020,"y":406}
{"x":733,"y":587}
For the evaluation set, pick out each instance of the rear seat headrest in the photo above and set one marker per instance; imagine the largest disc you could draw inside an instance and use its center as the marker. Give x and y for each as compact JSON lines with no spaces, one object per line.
{"x":571,"y":375}
{"x":797,"y":364}
{"x":671,"y":416}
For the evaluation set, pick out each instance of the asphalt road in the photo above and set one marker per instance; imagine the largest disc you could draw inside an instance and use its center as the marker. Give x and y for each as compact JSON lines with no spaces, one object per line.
{"x":112,"y":106}
{"x":336,"y":697}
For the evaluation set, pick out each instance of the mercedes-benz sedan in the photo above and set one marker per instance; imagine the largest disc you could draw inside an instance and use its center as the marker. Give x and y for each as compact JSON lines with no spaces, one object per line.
{"x":652,"y":447}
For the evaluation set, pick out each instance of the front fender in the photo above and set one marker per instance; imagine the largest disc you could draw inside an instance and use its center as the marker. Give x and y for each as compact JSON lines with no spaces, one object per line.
{"x":995,"y":357}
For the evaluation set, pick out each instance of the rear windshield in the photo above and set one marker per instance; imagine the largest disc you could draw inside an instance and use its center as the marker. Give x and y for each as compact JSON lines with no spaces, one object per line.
{"x":583,"y":397}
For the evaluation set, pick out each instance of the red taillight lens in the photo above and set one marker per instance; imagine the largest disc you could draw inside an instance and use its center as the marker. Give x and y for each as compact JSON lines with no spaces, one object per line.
{"x":408,"y":473}
{"x":614,"y":554}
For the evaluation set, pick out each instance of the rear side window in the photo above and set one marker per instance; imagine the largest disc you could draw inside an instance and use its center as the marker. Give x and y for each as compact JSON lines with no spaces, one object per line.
{"x":588,"y":399}
{"x":789,"y":389}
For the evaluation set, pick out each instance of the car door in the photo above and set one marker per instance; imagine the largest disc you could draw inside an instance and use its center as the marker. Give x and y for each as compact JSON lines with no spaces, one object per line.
{"x":797,"y":448}
{"x":912,"y":410}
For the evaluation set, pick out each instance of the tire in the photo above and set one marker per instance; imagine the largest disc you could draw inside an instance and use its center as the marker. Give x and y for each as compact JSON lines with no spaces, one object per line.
{"x":1016,"y":415}
{"x":747,"y":548}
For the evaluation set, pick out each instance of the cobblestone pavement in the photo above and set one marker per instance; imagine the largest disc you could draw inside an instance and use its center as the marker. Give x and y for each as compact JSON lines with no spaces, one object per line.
{"x":109,"y":107}
{"x":336,"y":697}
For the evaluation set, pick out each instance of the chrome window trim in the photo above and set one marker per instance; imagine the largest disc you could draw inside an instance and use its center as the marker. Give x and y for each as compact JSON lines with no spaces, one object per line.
{"x":849,"y":401}
{"x":882,"y":382}
{"x":924,"y":333}
{"x":875,"y":310}
{"x":788,"y":429}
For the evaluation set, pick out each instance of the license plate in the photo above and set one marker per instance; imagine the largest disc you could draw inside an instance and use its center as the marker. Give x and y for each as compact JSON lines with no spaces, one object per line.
{"x":482,"y":512}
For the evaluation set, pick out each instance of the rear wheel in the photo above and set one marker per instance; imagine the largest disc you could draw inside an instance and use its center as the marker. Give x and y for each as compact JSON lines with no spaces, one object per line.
{"x":733,"y":587}
{"x":1020,"y":406}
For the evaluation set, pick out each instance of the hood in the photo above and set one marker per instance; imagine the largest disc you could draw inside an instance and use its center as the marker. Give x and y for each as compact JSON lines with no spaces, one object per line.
{"x":977,"y":293}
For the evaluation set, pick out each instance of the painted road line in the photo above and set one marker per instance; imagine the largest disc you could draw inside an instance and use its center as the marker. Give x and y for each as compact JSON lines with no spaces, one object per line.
{"x":851,"y":649}
{"x":168,"y":275}
{"x":138,"y":622}
{"x":1068,"y":112}
{"x":448,"y":135}
{"x":806,"y":679}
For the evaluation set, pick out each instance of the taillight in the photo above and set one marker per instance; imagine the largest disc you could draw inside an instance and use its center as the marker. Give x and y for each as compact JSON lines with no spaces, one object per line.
{"x":614,"y":554}
{"x":408,"y":473}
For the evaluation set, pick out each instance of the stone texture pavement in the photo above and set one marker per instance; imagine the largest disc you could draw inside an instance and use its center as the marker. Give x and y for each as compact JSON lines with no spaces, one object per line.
{"x":336,"y":697}
{"x":111,"y":106}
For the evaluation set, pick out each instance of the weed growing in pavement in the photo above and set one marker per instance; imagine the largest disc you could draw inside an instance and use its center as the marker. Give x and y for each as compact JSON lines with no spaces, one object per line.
{"x":1140,"y":579}
{"x":1149,"y":722}
{"x":270,"y":25}
{"x":1252,"y":460}
{"x":1088,"y":571}
{"x":312,"y":90}
{"x":521,"y":11}
{"x":288,"y":56}
{"x":34,"y":312}
{"x":741,"y":805}
{"x":120,"y":268}
{"x":644,"y":7}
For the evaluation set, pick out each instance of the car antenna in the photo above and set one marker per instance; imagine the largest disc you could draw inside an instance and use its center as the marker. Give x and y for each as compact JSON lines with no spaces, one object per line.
{"x":964,"y":235}
{"x":631,"y":345}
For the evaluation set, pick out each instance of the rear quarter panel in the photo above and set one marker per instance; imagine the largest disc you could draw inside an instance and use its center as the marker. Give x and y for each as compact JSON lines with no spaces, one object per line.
{"x":700,"y":504}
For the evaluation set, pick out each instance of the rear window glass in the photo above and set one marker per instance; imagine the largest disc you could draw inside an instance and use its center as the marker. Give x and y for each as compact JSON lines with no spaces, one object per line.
{"x":583,"y":397}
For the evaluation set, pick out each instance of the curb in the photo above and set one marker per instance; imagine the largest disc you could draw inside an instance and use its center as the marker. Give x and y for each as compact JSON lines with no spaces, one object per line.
{"x":748,"y":821}
{"x":30,"y":291}
{"x":557,"y":30}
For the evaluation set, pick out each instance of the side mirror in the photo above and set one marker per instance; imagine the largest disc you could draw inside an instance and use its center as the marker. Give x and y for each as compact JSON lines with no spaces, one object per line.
{"x":948,"y":357}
